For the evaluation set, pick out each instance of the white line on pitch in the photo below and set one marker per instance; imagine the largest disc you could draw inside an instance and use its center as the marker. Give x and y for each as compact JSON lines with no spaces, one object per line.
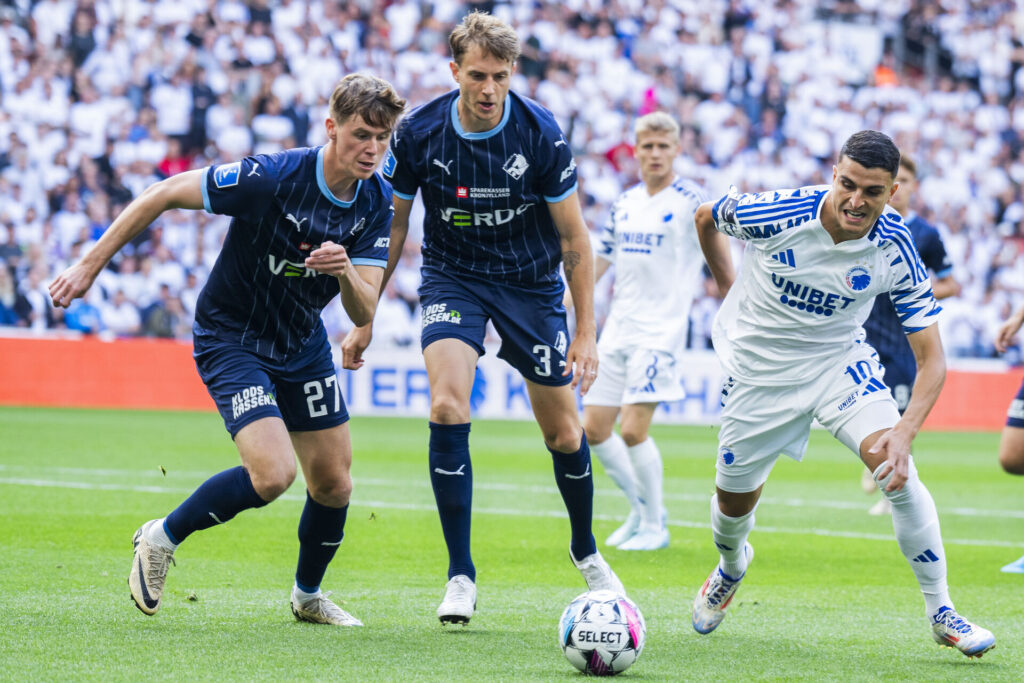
{"x":424,"y":483}
{"x":511,"y":512}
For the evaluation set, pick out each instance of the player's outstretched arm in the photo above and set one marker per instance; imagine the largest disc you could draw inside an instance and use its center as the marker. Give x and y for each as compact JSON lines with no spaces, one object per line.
{"x":931,"y":374}
{"x":715,"y":246}
{"x":1008,"y":330}
{"x":359,"y":337}
{"x":578,"y":263}
{"x":182,"y":191}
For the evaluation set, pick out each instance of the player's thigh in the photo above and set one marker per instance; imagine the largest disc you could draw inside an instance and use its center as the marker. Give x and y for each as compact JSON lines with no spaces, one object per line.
{"x":451,"y":366}
{"x":534,"y":333}
{"x":758,"y":424}
{"x":554,"y":407}
{"x":240,"y":382}
{"x":854,"y":403}
{"x":636,"y":422}
{"x":1011,"y":445}
{"x":326,"y":459}
{"x":652,"y":376}
{"x":599,"y":422}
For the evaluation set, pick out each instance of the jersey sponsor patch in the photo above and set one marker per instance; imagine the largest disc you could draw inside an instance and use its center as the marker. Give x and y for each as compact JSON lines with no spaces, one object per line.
{"x":389,"y":165}
{"x":227,"y":175}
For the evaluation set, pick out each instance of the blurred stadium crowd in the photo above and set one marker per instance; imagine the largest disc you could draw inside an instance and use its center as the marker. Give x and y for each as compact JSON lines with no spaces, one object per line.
{"x":101,"y":98}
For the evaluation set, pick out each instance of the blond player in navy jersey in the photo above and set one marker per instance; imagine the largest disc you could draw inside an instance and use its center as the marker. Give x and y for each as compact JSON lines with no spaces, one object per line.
{"x":651,"y":241}
{"x":498,"y":183}
{"x":790,"y":336}
{"x":307,"y":224}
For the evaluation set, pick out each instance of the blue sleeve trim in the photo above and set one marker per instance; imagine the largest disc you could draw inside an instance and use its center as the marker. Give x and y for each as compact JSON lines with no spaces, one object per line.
{"x":402,"y":195}
{"x":555,"y":200}
{"x":206,"y":192}
{"x":363,"y":261}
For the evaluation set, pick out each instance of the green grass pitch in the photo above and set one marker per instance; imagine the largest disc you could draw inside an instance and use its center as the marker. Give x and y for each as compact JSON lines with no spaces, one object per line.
{"x":829,"y":597}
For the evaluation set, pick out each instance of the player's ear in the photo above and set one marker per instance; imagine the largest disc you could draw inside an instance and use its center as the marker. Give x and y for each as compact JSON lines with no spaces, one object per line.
{"x":895,"y":186}
{"x":453,"y":65}
{"x":332,"y":129}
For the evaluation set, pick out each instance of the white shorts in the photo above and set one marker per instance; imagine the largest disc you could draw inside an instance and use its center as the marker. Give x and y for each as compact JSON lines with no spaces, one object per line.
{"x":635,"y":375}
{"x":760,"y":422}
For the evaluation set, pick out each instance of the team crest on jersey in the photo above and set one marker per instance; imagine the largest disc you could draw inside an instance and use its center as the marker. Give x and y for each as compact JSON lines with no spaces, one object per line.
{"x":858,"y":278}
{"x":516,"y":166}
{"x":358,"y":227}
{"x":388,"y":167}
{"x":726,"y":454}
{"x":227,"y":175}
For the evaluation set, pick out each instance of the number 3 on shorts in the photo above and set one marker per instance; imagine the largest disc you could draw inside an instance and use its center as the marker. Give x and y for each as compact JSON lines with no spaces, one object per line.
{"x":314,"y":391}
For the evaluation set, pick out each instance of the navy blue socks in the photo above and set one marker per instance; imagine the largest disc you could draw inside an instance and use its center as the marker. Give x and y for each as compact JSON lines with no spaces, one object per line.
{"x":576,"y":484}
{"x":321,"y":529}
{"x":217,"y":500}
{"x":451,"y":475}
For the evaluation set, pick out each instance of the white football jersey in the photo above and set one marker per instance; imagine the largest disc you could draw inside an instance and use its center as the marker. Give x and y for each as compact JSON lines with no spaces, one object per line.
{"x":800,"y":299}
{"x":653,"y":245}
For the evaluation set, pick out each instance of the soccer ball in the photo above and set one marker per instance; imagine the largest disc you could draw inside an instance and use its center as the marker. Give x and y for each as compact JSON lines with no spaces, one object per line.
{"x":602,"y":633}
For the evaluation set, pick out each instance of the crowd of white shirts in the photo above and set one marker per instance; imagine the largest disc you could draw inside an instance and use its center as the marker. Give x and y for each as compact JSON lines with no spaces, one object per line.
{"x":100,"y":97}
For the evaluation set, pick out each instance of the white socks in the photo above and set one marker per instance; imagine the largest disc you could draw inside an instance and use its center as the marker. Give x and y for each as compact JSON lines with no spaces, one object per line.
{"x":615,"y":459}
{"x":916,"y":523}
{"x":730,"y":535}
{"x":649,"y":474}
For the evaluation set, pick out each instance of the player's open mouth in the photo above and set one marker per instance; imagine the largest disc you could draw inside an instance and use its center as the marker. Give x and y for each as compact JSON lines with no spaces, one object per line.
{"x":487,"y":107}
{"x":855,"y":216}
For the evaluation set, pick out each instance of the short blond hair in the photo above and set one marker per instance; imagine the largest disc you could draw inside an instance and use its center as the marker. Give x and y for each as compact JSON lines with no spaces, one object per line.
{"x":656,"y":122}
{"x":374,"y":99}
{"x":490,"y":34}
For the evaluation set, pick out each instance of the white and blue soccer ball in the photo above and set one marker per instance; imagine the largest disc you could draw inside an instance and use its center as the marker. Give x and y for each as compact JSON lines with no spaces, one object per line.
{"x":602,"y":633}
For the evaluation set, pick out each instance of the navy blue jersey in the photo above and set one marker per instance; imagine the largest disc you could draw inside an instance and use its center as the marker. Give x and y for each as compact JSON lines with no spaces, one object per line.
{"x":485,"y":194}
{"x":260,"y":293}
{"x":884,"y":331}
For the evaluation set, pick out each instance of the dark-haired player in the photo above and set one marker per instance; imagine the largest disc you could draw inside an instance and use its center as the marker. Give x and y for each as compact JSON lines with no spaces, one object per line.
{"x":790,"y":338}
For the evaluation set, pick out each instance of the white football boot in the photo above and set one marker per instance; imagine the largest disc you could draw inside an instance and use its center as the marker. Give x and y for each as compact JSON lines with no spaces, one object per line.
{"x":626,"y":531}
{"x":952,"y":630}
{"x":714,"y":597}
{"x":459,"y":601}
{"x":320,"y":610}
{"x":150,"y":563}
{"x":598,"y":575}
{"x":647,"y":538}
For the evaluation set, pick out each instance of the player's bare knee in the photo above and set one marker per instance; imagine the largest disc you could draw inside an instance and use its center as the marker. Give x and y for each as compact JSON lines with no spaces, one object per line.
{"x":272,"y":480}
{"x":564,"y":440}
{"x":335,"y":493}
{"x":633,"y":436}
{"x":1011,"y":461}
{"x":448,"y":410}
{"x":597,"y":432}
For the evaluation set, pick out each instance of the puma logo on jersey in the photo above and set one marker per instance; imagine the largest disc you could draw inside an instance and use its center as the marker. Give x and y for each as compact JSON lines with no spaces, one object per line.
{"x":298,"y":223}
{"x":450,"y":473}
{"x":437,"y":162}
{"x":253,"y":172}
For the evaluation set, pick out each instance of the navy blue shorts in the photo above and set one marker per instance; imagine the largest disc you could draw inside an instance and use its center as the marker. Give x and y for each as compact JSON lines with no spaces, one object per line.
{"x":1015,"y":415}
{"x":531,"y":322}
{"x":302,"y":390}
{"x":900,"y":373}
